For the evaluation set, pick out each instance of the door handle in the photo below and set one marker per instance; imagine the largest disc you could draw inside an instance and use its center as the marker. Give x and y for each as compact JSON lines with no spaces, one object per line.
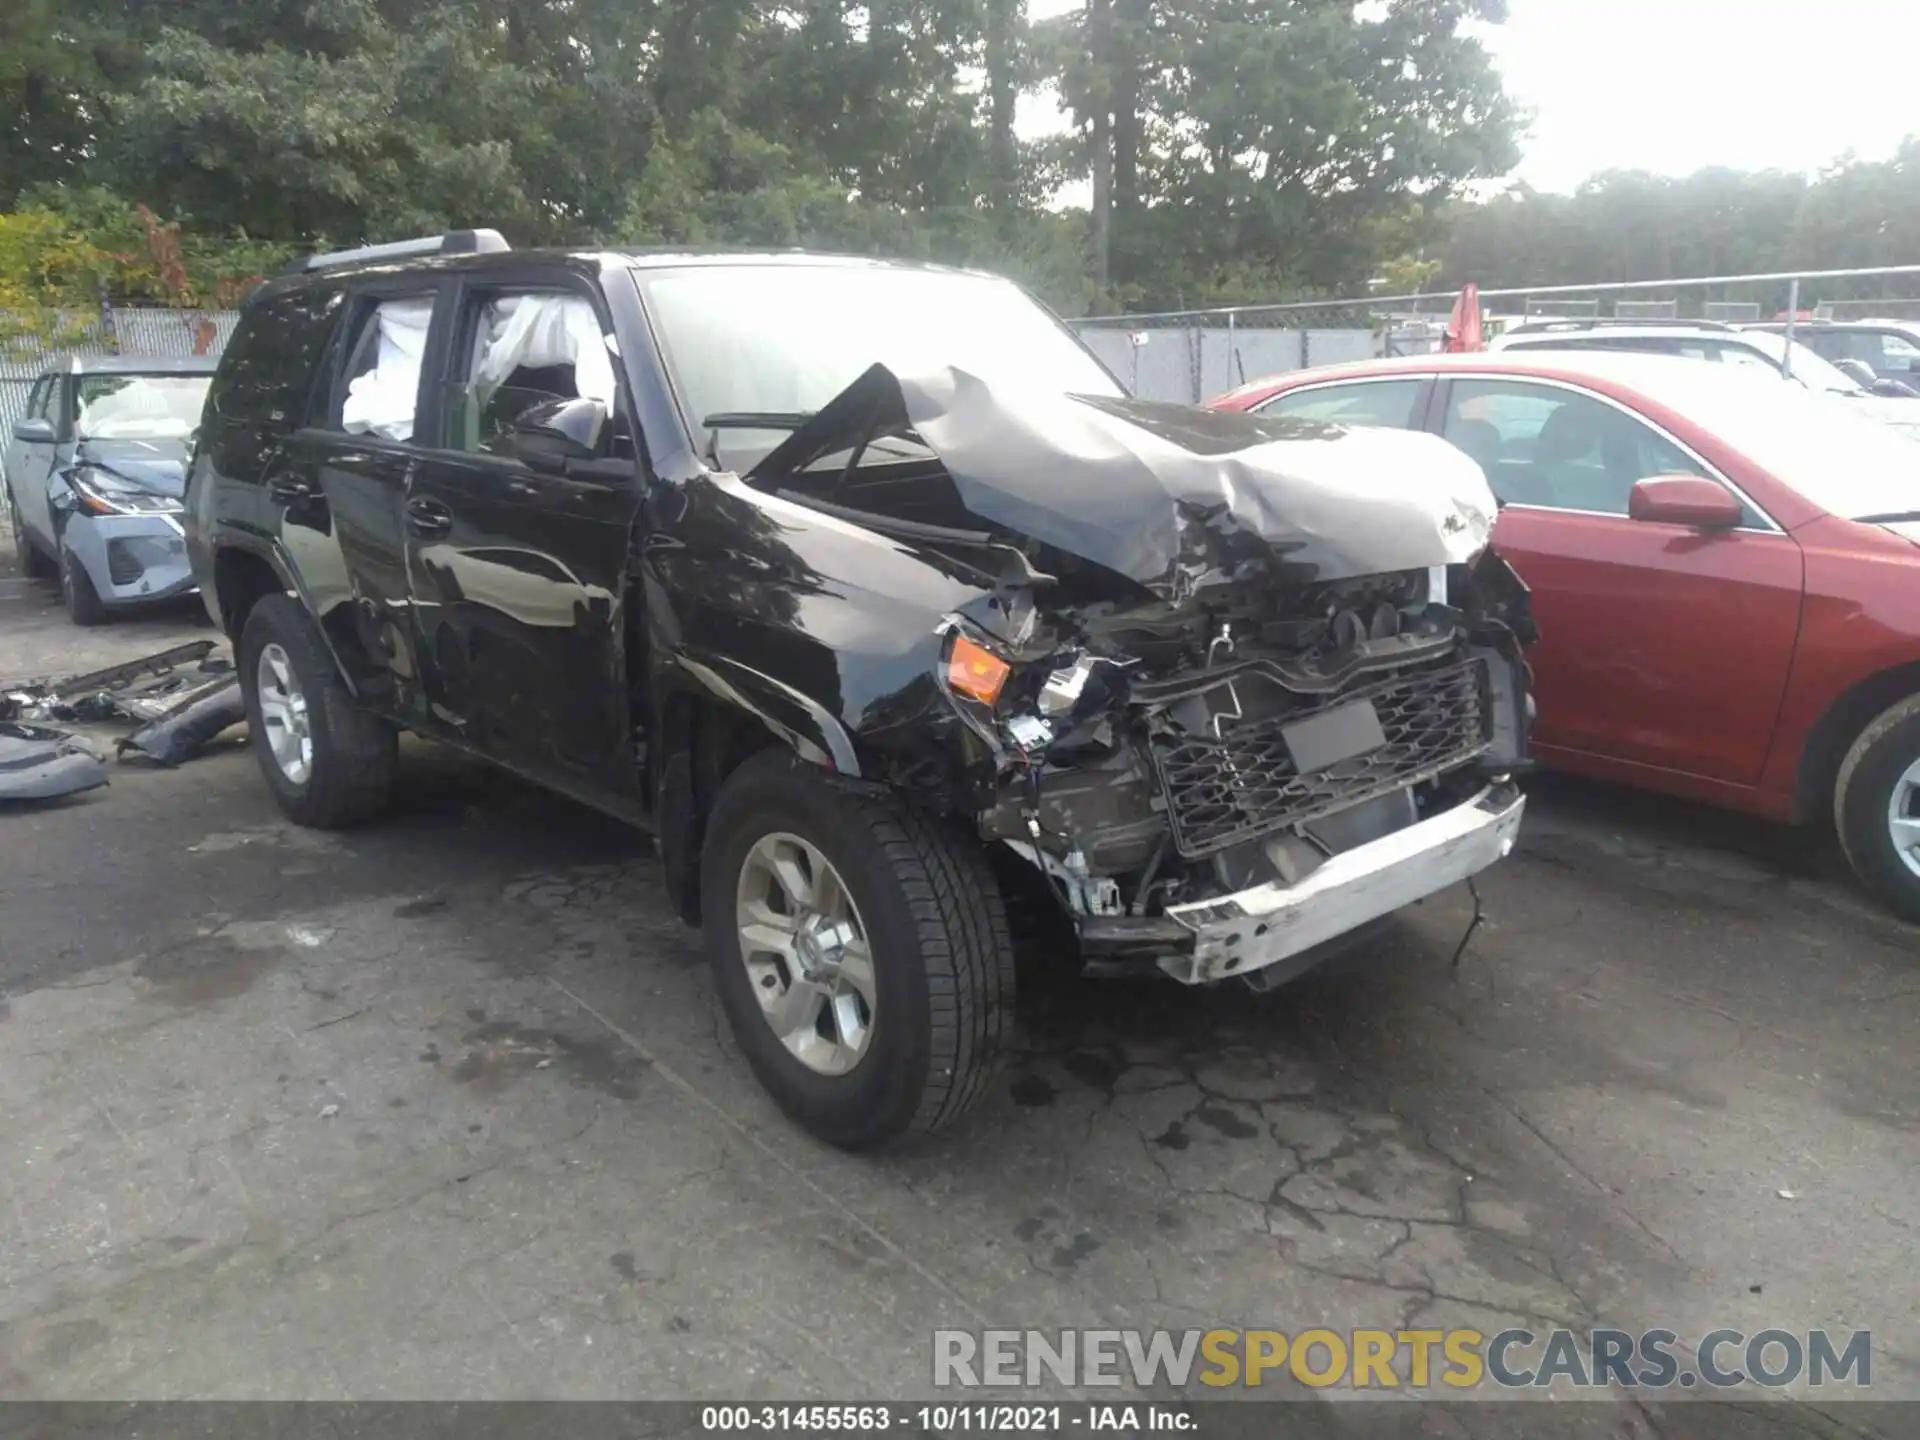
{"x":428,"y":517}
{"x":289,"y":490}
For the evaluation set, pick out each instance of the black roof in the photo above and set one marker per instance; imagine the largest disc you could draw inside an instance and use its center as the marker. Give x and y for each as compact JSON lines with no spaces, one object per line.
{"x":591,"y":261}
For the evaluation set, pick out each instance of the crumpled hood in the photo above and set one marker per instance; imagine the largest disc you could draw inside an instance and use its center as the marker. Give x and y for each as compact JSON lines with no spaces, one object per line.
{"x":156,"y":465}
{"x":1173,"y":497}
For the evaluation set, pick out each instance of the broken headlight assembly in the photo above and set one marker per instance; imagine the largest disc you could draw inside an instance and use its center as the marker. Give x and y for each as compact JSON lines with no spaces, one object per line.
{"x":1019,"y":708}
{"x":973,"y":675}
{"x":101,"y":492}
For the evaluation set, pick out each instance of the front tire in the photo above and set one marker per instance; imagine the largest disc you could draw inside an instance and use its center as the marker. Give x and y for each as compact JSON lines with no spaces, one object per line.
{"x":77,"y":591}
{"x":860,"y":952}
{"x":329,"y":763}
{"x":27,"y":556}
{"x":1877,"y":807}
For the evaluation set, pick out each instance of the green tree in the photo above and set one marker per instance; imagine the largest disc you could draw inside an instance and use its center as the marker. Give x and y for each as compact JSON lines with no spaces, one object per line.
{"x":1233,"y":145}
{"x":1288,"y":140}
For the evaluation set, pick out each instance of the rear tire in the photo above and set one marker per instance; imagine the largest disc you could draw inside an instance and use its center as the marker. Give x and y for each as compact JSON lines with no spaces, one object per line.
{"x":1878,"y":786}
{"x":935,"y":933}
{"x":345,"y":774}
{"x":77,"y":592}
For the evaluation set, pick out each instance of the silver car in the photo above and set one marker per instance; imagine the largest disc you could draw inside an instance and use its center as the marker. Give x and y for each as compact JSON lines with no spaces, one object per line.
{"x":94,"y":475}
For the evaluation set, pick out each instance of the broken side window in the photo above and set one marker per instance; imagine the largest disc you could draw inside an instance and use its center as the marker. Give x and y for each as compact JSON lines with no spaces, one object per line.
{"x":522,"y":350}
{"x":381,"y":381}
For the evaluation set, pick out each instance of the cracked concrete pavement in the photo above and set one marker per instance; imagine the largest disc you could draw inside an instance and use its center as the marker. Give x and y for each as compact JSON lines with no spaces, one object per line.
{"x":443,"y":1108}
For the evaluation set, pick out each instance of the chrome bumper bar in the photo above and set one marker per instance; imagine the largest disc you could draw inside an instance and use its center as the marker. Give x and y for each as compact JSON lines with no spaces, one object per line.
{"x":1240,"y":934}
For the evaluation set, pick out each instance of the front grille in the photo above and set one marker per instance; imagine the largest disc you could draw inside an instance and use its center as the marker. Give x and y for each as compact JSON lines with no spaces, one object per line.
{"x":1223,"y":792}
{"x":123,"y":566}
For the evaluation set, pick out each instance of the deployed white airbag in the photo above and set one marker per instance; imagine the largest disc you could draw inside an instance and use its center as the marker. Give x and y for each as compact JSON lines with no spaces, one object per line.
{"x":531,"y":331}
{"x":381,"y":401}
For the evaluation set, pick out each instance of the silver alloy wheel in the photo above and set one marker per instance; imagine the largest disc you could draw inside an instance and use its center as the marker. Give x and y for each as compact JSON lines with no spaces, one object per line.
{"x":1903,"y":817}
{"x":806,"y":953}
{"x":283,"y":714}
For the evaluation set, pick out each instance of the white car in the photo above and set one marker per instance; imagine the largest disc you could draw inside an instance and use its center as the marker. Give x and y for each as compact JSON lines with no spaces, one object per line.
{"x":1765,"y":352}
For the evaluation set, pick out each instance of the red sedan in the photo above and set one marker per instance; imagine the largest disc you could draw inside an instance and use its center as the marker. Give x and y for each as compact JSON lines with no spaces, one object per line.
{"x":1726,"y":575}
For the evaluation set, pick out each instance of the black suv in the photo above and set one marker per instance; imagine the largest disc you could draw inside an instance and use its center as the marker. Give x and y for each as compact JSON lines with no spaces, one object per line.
{"x":869,"y":592}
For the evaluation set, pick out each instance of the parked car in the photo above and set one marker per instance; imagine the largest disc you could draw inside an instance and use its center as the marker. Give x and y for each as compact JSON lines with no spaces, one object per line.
{"x":94,"y":475}
{"x":1726,"y":576}
{"x":1890,"y":349}
{"x":1769,"y":353}
{"x":812,"y":567}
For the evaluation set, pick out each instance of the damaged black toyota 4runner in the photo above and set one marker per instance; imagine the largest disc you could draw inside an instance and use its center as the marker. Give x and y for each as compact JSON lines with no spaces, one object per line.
{"x":871,"y":594}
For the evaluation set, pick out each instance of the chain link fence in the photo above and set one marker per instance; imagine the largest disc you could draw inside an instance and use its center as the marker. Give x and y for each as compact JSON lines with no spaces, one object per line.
{"x":1190,"y":356}
{"x":117,"y":330}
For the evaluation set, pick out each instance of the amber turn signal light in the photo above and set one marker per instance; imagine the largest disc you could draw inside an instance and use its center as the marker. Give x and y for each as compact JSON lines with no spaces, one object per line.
{"x":975,"y":671}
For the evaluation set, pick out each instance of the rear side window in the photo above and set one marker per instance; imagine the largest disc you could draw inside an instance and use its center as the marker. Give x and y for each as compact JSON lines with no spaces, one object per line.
{"x":1827,"y":344}
{"x":267,"y":373}
{"x":44,"y":402}
{"x":377,"y":389}
{"x":1384,"y":403}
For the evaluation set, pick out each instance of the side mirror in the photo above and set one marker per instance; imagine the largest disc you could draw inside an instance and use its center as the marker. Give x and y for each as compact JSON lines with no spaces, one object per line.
{"x":36,"y":429}
{"x":1690,"y":500}
{"x":1892,"y":389}
{"x":554,"y":433}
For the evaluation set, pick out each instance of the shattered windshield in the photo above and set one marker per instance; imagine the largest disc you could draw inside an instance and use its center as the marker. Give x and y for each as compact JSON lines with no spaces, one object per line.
{"x":777,"y":342}
{"x":138,"y":407}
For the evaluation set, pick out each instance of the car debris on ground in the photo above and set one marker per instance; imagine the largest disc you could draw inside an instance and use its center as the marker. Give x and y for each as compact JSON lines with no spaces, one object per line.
{"x":179,"y":699}
{"x":40,"y":763}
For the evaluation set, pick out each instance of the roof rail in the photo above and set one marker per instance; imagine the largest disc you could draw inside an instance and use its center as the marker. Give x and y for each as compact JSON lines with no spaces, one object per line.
{"x":1542,"y":324}
{"x":454,"y":242}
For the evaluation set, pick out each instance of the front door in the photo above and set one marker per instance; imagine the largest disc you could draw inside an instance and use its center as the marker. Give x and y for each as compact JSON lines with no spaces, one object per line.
{"x":517,"y":571}
{"x":30,"y":462}
{"x":1659,"y":645}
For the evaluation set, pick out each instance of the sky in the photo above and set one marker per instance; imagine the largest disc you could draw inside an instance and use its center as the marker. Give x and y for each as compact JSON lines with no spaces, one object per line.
{"x":1673,"y":86}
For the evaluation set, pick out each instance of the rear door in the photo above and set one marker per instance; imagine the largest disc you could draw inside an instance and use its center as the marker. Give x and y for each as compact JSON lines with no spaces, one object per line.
{"x":518,"y":573}
{"x":1659,"y":645}
{"x":341,"y":485}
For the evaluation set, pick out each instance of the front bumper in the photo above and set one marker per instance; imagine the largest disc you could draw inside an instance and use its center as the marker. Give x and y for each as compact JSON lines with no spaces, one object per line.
{"x":131,"y":559}
{"x":1241,"y":935}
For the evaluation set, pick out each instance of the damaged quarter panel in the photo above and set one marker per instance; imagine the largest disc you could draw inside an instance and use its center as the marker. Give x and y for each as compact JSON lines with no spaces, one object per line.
{"x":827,"y":631}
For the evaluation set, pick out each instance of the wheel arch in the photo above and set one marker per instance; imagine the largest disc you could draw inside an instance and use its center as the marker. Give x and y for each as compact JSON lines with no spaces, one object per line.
{"x":709,"y":718}
{"x":1835,"y":731}
{"x":243,"y":574}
